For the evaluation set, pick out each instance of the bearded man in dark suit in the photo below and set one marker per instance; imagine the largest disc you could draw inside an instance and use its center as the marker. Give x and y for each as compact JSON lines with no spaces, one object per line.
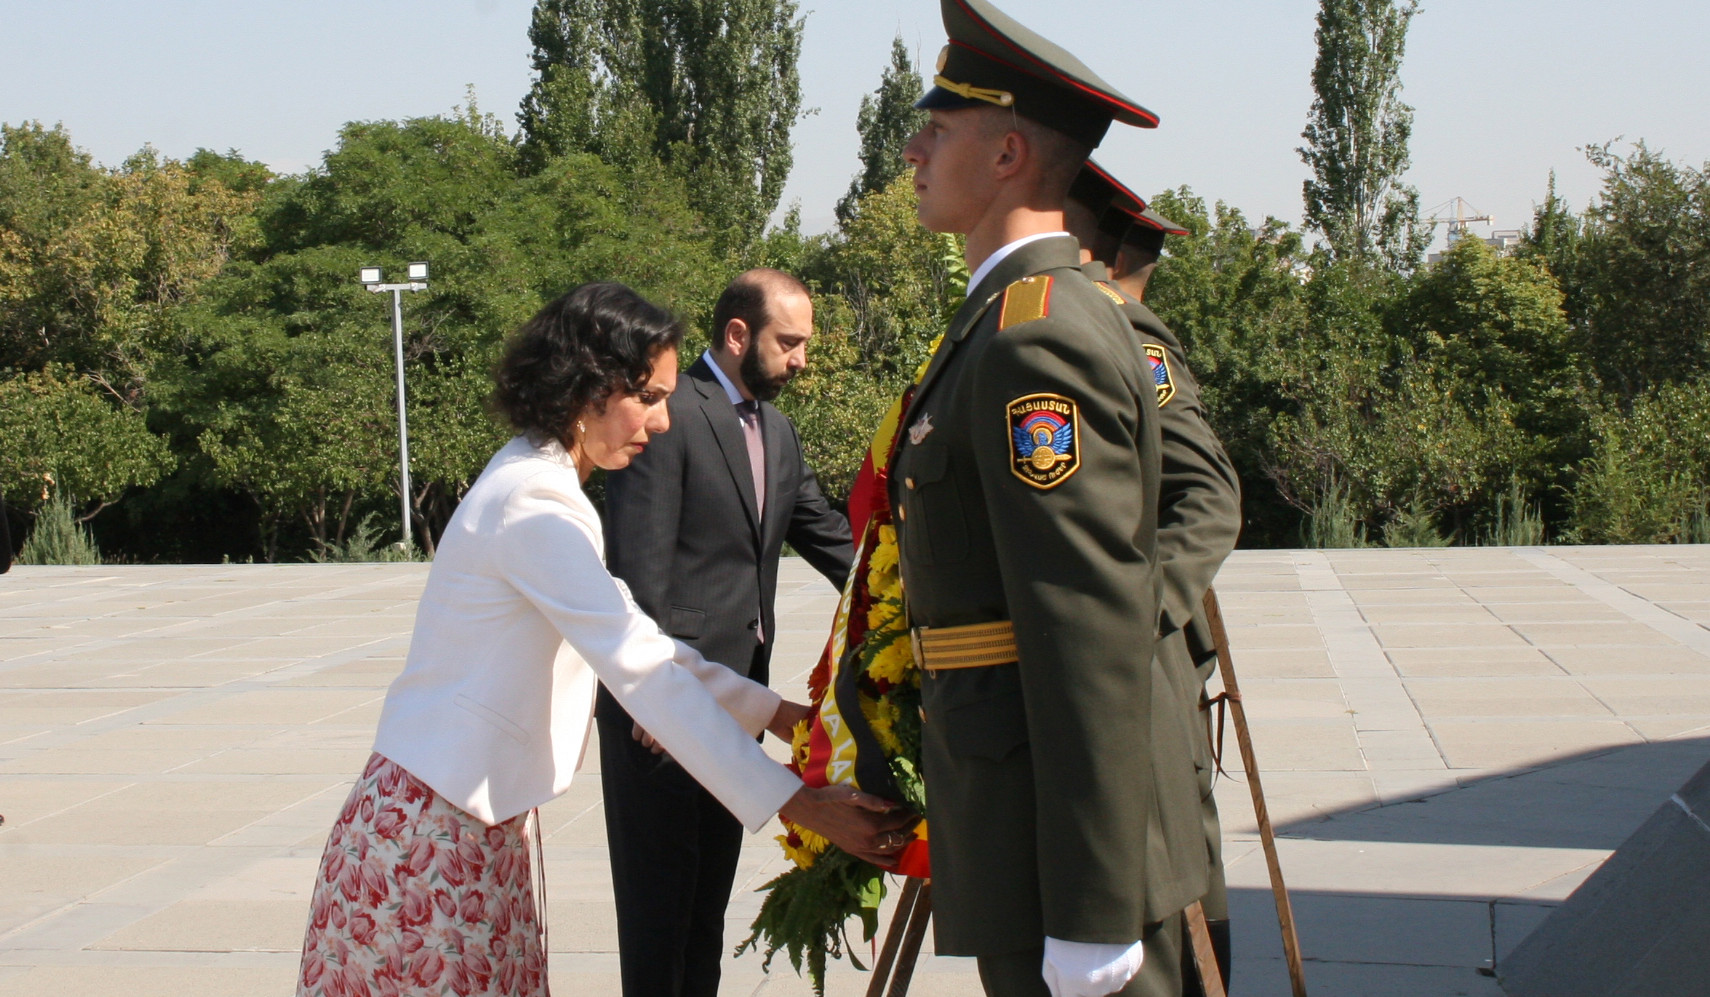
{"x":695,"y":526}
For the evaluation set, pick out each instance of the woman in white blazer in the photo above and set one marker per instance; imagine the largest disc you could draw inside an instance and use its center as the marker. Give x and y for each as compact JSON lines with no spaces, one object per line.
{"x":425,"y":885}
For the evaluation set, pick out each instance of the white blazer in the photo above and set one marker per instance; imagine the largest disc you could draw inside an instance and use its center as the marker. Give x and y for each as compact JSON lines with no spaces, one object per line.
{"x":518,"y":618}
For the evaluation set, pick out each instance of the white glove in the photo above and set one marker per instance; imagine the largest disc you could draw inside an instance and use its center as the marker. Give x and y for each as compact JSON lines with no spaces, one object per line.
{"x":1086,"y":969}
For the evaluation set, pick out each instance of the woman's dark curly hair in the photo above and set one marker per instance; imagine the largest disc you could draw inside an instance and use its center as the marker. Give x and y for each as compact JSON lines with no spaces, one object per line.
{"x":581,"y":347}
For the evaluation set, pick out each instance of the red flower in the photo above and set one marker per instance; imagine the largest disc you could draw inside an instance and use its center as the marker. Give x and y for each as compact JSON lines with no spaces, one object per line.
{"x":311,"y":973}
{"x":443,"y":901}
{"x":367,"y":809}
{"x":390,"y":822}
{"x":501,"y":918}
{"x":420,"y":858}
{"x":374,"y":885}
{"x":472,"y":855}
{"x":411,"y":940}
{"x":509,"y":971}
{"x":496,"y":837}
{"x":338,"y":916}
{"x":350,"y":883}
{"x":427,"y":967}
{"x":473,"y":905}
{"x":417,"y":909}
{"x":333,"y":865}
{"x":479,"y":969}
{"x":362,"y":928}
{"x":393,"y":966}
{"x":354,"y":983}
{"x":451,"y":866}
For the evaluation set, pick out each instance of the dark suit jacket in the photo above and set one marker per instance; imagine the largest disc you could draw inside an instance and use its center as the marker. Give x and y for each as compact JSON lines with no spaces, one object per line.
{"x":682,"y":529}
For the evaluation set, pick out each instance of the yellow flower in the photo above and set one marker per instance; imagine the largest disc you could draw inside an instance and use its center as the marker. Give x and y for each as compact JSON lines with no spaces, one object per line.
{"x":893,"y":663}
{"x":799,"y":738}
{"x":812,"y":841}
{"x":881,"y":720}
{"x":800,"y":856}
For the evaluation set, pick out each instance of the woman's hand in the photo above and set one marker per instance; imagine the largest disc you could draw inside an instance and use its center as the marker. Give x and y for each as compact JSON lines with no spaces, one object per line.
{"x":784,"y":721}
{"x":865,"y":826}
{"x":646,"y":739}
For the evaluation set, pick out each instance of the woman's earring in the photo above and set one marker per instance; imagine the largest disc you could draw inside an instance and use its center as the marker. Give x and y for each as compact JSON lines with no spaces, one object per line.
{"x":583,"y":430}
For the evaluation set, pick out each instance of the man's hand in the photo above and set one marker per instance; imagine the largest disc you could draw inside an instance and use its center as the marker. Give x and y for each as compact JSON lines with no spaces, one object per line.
{"x":784,"y":721}
{"x":861,"y":824}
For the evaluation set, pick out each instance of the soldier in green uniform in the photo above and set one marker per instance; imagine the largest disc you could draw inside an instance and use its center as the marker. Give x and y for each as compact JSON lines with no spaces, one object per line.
{"x":1199,"y":519}
{"x":1026,"y":487}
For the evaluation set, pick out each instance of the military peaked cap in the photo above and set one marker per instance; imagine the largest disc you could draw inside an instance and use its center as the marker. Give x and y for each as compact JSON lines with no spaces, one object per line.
{"x":1111,"y":202}
{"x":992,"y":59}
{"x":1149,"y":229}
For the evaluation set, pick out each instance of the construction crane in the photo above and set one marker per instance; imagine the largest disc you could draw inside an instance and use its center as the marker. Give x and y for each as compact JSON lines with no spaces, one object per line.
{"x":1463,"y":215}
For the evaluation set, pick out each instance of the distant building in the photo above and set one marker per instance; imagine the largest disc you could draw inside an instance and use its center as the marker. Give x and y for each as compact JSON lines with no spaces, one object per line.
{"x":1504,"y":241}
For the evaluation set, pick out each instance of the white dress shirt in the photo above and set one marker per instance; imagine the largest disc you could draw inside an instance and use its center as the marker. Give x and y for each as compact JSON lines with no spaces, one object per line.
{"x":998,"y":257}
{"x":730,"y":389}
{"x":518,"y":618}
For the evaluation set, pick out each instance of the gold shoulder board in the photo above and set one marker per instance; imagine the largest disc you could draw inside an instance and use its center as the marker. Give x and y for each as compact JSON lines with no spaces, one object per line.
{"x":1026,"y":300}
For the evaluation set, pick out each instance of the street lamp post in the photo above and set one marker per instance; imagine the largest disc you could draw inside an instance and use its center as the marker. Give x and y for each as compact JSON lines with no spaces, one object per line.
{"x":370,"y":277}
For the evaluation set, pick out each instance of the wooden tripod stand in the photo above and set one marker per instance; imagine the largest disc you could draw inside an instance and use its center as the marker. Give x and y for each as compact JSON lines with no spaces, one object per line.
{"x":901,"y":949}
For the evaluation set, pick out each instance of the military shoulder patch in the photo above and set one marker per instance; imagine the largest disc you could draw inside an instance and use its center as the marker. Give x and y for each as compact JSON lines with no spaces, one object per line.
{"x":1110,"y":292}
{"x":1161,"y":375}
{"x":1025,"y":300}
{"x":1044,"y":433}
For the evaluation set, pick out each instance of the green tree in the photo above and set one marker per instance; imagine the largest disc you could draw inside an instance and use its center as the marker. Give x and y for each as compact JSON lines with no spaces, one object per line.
{"x":1648,"y":477}
{"x":94,"y":262}
{"x":901,"y":282}
{"x":887,"y":120}
{"x":1357,"y":133}
{"x":1637,"y":271}
{"x":60,"y":436}
{"x":1235,"y":297}
{"x":709,"y":87}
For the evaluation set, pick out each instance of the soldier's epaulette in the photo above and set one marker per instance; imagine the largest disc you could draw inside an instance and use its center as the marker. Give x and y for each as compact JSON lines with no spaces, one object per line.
{"x":1110,"y":292}
{"x":1025,"y":300}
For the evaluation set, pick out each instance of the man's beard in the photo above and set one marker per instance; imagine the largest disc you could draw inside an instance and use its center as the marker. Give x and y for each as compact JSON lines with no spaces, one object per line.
{"x":763,"y":387}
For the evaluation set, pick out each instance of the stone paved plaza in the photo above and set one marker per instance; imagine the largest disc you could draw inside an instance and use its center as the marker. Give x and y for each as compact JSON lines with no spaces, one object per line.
{"x":1451,"y":741}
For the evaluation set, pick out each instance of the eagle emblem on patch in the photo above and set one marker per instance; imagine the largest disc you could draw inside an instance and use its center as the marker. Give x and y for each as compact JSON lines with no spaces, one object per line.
{"x":1044,"y":433}
{"x":1161,"y":375}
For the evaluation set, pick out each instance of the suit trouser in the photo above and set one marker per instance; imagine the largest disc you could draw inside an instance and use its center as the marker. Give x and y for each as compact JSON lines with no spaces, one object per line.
{"x":674,"y":850}
{"x":1017,"y":974}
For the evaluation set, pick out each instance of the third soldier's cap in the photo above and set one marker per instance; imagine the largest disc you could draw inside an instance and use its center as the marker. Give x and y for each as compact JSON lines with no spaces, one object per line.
{"x":1149,"y":230}
{"x":1111,"y":202}
{"x":992,"y":59}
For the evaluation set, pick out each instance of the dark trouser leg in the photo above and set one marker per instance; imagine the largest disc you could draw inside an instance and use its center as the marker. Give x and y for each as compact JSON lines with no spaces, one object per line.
{"x":1017,"y":974}
{"x":720,"y":846}
{"x":657,"y":835}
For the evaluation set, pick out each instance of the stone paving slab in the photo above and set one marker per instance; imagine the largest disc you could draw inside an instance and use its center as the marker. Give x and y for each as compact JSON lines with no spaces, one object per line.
{"x":1451,"y":741}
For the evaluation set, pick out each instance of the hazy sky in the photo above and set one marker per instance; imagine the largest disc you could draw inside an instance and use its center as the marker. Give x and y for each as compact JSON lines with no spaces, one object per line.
{"x":1504,"y":90}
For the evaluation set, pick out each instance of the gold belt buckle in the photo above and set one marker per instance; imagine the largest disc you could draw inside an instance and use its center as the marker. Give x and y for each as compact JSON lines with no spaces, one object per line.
{"x":914,"y":644}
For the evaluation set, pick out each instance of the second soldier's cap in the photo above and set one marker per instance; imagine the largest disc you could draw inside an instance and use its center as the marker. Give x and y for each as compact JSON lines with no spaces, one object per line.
{"x":1111,"y":202}
{"x":993,"y":60}
{"x":1149,"y":230}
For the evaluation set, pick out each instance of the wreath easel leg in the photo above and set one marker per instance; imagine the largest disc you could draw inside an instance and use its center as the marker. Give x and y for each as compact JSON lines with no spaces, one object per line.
{"x":903,"y":939}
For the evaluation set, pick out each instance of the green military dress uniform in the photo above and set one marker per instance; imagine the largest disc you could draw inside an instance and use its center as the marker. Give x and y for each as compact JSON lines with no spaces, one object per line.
{"x":1045,"y":784}
{"x":1199,"y":521}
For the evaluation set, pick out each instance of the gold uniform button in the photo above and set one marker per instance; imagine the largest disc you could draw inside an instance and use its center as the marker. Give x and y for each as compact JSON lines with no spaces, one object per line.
{"x":902,"y":513}
{"x":923,"y":714}
{"x":909,"y":482}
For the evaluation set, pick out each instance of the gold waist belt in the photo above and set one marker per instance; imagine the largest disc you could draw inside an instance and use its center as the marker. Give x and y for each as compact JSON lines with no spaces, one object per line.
{"x":977,"y":645}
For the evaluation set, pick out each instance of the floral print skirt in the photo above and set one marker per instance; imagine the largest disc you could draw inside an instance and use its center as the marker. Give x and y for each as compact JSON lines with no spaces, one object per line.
{"x":416,"y":898}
